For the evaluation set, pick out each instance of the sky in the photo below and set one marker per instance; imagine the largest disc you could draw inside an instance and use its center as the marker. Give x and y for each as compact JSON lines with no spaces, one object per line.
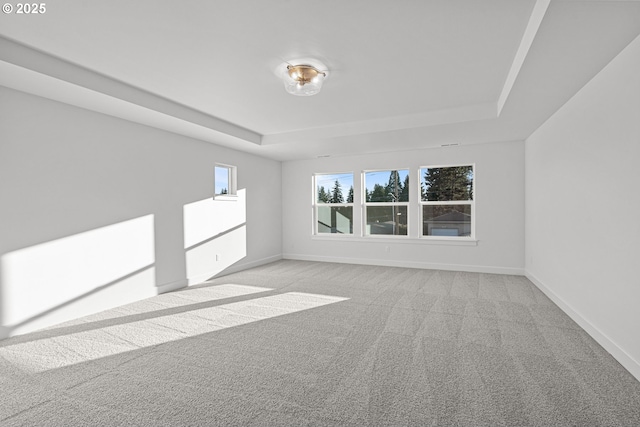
{"x":221,"y":179}
{"x":328,"y":180}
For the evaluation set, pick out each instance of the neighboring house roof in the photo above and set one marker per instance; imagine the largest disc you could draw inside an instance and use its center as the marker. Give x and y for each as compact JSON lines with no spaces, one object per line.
{"x":453,"y":216}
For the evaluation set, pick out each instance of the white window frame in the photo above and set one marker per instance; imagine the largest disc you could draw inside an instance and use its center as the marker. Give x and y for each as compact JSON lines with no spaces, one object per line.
{"x":471,"y":203}
{"x":365,"y":204}
{"x":316,"y":205}
{"x":232,"y":176}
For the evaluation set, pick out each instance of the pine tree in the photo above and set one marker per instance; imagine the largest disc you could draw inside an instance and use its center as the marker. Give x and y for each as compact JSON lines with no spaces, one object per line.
{"x":336,"y":193}
{"x":394,"y":187}
{"x":450,"y":183}
{"x":379,"y":194}
{"x":404,"y":193}
{"x":350,"y":195}
{"x":323,"y":197}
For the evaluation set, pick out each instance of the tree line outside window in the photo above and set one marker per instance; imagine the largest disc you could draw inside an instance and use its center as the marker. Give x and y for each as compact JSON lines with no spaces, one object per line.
{"x":334,"y":212}
{"x":386,"y":202}
{"x":446,"y":199}
{"x":334,"y":195}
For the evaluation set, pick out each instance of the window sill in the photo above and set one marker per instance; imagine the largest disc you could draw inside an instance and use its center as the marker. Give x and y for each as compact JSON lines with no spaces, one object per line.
{"x":394,"y":239}
{"x":226,"y":197}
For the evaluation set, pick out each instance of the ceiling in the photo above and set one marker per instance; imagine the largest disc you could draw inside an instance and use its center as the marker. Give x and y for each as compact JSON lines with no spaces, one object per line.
{"x":403,"y":74}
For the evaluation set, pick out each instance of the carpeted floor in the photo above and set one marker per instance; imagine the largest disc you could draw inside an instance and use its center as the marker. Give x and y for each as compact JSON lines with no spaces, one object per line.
{"x":297,"y":343}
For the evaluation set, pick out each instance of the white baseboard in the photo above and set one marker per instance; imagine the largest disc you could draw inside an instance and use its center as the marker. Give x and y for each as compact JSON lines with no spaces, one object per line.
{"x":235,"y":268}
{"x":409,"y":264}
{"x":200,"y":278}
{"x":629,"y":363}
{"x":171,"y":286}
{"x":247,"y":265}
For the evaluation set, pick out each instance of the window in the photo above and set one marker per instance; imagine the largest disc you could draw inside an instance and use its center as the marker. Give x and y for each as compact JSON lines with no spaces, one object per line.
{"x":386,"y":202}
{"x":224,"y":181}
{"x":447,"y":203}
{"x":333,"y":203}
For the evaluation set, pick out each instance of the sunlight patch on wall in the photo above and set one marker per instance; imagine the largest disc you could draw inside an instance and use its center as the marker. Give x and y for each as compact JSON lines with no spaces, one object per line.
{"x":207,"y":218}
{"x":214,"y":235}
{"x":79,"y":274}
{"x":212,"y":257}
{"x":65,"y":350}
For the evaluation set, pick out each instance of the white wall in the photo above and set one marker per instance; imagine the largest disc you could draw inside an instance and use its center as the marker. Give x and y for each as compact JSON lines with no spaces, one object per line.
{"x":499,"y":186}
{"x":94,"y":211}
{"x":583,"y":206}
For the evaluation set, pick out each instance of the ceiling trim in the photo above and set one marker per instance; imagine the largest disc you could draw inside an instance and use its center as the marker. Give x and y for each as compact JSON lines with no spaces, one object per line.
{"x":539,"y":10}
{"x":44,"y":64}
{"x":29,"y":81}
{"x":432,"y":118}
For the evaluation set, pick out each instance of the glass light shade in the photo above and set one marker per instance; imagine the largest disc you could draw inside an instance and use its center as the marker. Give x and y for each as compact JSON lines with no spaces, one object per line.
{"x":303,"y":80}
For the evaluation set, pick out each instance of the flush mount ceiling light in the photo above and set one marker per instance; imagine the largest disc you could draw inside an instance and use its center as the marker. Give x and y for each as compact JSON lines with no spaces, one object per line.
{"x":303,"y":80}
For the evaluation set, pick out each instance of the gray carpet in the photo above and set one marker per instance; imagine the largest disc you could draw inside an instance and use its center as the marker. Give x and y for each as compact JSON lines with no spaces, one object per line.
{"x":303,"y":343}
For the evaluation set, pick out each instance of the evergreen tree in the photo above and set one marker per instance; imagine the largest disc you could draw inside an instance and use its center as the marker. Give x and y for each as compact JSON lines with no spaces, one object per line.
{"x":336,"y":193}
{"x":450,"y":183}
{"x":350,"y":195}
{"x":379,"y":194}
{"x":323,"y":196}
{"x":367,"y":195}
{"x":404,"y":192}
{"x":394,"y":187}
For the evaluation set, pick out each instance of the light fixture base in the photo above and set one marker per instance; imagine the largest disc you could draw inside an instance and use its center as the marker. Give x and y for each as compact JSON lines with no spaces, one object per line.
{"x":303,"y":79}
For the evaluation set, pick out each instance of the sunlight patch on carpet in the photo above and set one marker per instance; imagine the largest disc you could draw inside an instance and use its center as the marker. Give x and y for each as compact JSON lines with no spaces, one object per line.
{"x":65,"y":350}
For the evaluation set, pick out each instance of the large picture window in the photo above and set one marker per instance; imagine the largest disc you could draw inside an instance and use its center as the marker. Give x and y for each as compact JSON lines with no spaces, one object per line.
{"x":447,"y":201}
{"x":386,"y":202}
{"x":333,"y":203}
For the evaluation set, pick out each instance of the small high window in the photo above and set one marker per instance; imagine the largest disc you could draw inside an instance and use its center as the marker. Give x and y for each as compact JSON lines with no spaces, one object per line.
{"x":224,"y":180}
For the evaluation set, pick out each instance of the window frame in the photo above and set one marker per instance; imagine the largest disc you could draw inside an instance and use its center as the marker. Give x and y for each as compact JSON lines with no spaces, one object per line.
{"x":471,"y":203}
{"x":316,"y":205}
{"x":365,"y":204}
{"x":232,"y":175}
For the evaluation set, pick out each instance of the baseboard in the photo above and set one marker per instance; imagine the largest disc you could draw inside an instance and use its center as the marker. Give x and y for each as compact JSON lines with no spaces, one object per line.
{"x":247,"y":265}
{"x":171,"y":286}
{"x":200,"y":278}
{"x":235,"y":268}
{"x":409,"y":264}
{"x":628,"y":362}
